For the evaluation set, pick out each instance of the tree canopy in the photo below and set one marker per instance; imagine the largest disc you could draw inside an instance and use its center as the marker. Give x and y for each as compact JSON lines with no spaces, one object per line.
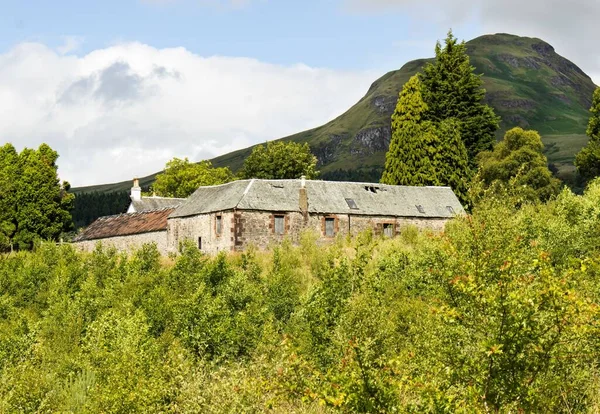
{"x":422,"y":152}
{"x":451,"y":89}
{"x":587,"y":160}
{"x":280,"y":160}
{"x":34,"y":204}
{"x":182,"y":177}
{"x":517,"y":164}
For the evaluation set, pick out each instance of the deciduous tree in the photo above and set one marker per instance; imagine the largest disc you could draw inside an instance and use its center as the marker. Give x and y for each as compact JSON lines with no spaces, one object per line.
{"x":34,"y":204}
{"x":280,"y":160}
{"x":517,"y":165}
{"x":182,"y":177}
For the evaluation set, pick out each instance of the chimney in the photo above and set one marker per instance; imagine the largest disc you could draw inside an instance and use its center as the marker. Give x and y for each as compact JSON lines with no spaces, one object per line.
{"x":303,"y":199}
{"x":136,"y":191}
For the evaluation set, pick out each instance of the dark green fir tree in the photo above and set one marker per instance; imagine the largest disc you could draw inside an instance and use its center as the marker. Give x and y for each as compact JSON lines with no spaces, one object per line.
{"x":451,"y":89}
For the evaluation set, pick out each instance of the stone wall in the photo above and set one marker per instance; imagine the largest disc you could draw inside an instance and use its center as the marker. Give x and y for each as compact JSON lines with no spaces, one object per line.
{"x":128,"y":243}
{"x":243,"y":228}
{"x":202,"y":230}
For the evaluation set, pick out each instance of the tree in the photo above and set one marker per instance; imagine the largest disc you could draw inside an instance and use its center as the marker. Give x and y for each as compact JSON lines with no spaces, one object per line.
{"x":587,"y":160}
{"x":34,"y":203}
{"x":182,"y":177}
{"x":421,"y":152}
{"x":518,"y":165}
{"x":451,"y":89}
{"x":280,"y":160}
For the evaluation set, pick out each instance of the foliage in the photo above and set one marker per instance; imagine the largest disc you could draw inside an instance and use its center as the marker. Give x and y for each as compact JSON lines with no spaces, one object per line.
{"x":496,"y":313}
{"x":182,"y":177}
{"x":280,"y":160}
{"x":421,"y":152}
{"x":34,"y":205}
{"x":518,"y":166}
{"x":587,"y":160}
{"x":452,"y":90}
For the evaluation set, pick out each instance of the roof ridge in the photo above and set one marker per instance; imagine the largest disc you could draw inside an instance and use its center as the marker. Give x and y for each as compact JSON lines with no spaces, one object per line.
{"x":245,"y":192}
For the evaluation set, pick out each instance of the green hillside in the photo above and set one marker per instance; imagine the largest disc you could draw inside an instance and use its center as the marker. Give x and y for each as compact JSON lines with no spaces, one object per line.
{"x":527,"y":83}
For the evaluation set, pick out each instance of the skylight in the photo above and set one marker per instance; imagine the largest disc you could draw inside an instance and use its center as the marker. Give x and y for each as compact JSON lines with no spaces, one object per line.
{"x":351,"y":203}
{"x":420,"y":208}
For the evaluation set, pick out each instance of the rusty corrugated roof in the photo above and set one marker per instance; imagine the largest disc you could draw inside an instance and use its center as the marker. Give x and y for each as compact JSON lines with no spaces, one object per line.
{"x":125,"y":225}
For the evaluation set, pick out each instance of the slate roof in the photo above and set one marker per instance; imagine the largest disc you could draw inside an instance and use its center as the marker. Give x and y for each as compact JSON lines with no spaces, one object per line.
{"x":326,"y":197}
{"x":155,"y":203}
{"x":125,"y":225}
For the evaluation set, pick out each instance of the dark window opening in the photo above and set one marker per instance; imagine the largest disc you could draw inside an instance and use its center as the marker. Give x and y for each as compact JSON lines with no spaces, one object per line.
{"x":219,"y":225}
{"x":199,"y":243}
{"x":279,"y":224}
{"x":351,"y":204}
{"x":450,"y":209}
{"x":420,"y":208}
{"x":329,"y":227}
{"x":388,"y":229}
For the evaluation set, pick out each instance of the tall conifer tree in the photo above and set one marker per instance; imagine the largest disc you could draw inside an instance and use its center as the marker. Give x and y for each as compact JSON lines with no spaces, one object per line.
{"x":409,"y":160}
{"x":451,"y":89}
{"x":421,"y":152}
{"x":588,"y":159}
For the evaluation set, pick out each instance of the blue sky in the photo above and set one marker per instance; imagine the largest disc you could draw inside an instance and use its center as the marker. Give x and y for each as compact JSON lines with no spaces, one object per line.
{"x":121,"y":87}
{"x":329,"y":33}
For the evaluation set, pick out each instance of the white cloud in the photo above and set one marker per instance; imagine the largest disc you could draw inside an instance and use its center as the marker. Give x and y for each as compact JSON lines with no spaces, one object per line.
{"x":570,"y":26}
{"x":125,"y":110}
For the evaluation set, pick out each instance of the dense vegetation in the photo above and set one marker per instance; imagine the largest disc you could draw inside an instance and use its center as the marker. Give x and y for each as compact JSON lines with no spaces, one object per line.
{"x":498,"y":312}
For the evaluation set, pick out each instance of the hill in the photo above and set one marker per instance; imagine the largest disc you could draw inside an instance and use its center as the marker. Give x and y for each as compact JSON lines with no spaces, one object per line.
{"x":528,"y":84}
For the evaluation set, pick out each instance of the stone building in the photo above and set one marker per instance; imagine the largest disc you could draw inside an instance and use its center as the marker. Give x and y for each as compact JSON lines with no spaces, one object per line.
{"x":261,"y":212}
{"x":231,"y":216}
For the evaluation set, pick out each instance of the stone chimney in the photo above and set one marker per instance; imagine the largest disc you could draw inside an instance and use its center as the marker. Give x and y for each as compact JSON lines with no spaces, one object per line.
{"x":136,"y":191}
{"x":303,"y":199}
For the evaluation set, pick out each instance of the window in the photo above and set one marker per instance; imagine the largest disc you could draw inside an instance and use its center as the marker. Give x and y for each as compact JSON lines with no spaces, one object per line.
{"x":351,"y":204}
{"x":388,"y":229}
{"x":329,"y":226}
{"x":199,"y":243}
{"x":279,"y":224}
{"x":218,"y":225}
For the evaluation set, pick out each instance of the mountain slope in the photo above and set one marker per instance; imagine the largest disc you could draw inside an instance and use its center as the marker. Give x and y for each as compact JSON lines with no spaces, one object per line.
{"x":528,"y":84}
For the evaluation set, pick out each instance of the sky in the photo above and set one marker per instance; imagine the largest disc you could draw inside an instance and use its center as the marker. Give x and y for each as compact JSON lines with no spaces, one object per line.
{"x":119,"y":87}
